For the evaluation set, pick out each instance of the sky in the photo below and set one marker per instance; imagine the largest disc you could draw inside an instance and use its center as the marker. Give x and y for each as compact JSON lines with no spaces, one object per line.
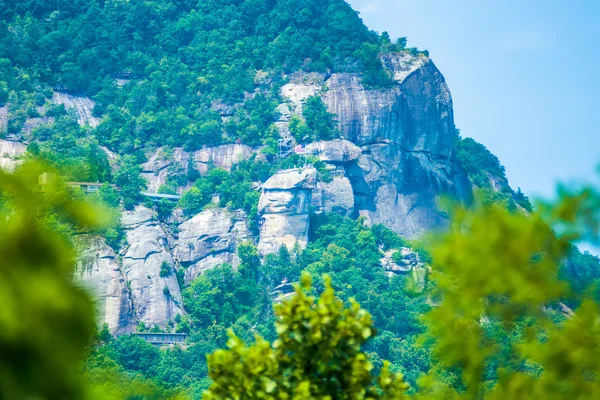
{"x":524,"y":77}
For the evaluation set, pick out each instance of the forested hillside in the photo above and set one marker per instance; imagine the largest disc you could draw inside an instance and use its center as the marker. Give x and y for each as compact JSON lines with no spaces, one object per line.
{"x":235,"y":145}
{"x":183,"y":55}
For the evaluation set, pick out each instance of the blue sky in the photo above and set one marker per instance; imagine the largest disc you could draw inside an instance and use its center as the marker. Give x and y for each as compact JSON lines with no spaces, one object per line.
{"x":524,"y":76}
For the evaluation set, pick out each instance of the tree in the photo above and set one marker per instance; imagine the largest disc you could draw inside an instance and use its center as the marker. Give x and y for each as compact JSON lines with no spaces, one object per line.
{"x":130,"y":181}
{"x":320,"y":123}
{"x":317,"y":355}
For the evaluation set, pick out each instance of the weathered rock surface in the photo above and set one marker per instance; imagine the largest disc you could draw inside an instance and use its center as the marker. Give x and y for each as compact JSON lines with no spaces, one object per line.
{"x":335,"y":196}
{"x":99,"y":271}
{"x":284,"y":209}
{"x":3,"y":119}
{"x":209,"y":239}
{"x":156,"y":299}
{"x":224,"y":156}
{"x":405,"y":134}
{"x":156,"y":170}
{"x":301,"y":86}
{"x":334,"y":151}
{"x":10,"y":152}
{"x":408,"y":261}
{"x":82,"y":105}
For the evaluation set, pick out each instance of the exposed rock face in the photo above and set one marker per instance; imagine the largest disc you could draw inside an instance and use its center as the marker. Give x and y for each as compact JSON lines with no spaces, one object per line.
{"x":405,"y":134}
{"x":408,"y":261}
{"x":335,"y":196}
{"x":156,"y":169}
{"x":3,"y":119}
{"x":156,"y":299}
{"x":82,"y":105}
{"x":284,"y":209}
{"x":302,"y":85}
{"x":209,"y":239}
{"x":334,"y":151}
{"x":99,"y":271}
{"x":10,"y":151}
{"x":224,"y":156}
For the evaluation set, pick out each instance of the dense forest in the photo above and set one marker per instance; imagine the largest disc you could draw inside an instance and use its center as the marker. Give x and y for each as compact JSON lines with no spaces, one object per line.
{"x":163,"y":74}
{"x":185,"y":58}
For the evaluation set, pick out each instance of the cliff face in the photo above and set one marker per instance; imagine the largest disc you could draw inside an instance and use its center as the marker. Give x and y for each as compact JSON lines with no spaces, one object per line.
{"x":403,"y":135}
{"x":99,"y":270}
{"x":10,"y":153}
{"x":284,"y":208}
{"x":210,"y":239}
{"x":392,"y":163}
{"x":149,"y":269}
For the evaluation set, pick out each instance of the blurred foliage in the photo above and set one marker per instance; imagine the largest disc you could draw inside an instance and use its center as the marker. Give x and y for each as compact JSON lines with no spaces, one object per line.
{"x":317,"y":355}
{"x":46,"y":320}
{"x":500,"y":329}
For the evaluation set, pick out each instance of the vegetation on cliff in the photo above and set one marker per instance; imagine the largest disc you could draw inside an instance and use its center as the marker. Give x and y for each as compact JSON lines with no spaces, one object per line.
{"x":499,"y":331}
{"x":180,"y":63}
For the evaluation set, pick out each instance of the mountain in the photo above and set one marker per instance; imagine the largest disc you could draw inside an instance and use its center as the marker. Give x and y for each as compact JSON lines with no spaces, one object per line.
{"x":238,"y":143}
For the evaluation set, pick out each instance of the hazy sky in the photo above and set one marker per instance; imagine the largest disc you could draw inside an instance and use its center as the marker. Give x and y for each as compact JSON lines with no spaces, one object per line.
{"x":524,"y":76}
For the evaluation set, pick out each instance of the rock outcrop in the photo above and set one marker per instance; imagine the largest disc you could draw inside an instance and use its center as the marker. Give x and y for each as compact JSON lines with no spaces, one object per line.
{"x":408,"y":260}
{"x":82,"y":105}
{"x":334,"y":196}
{"x":159,"y":165}
{"x":3,"y":119}
{"x":284,"y":209}
{"x":156,"y":296}
{"x":224,"y":156}
{"x":405,"y":134}
{"x":209,"y":239}
{"x":10,"y":153}
{"x":334,"y":151}
{"x":99,"y":271}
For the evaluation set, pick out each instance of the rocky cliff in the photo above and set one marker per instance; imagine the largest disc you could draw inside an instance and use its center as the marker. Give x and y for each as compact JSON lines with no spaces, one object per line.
{"x":100,"y":270}
{"x":210,"y":239}
{"x":402,"y":161}
{"x":10,"y":153}
{"x":284,"y":208}
{"x":391,"y":164}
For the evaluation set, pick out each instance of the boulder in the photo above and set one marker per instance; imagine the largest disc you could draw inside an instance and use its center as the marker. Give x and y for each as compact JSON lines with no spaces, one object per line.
{"x":334,"y":151}
{"x":295,"y":178}
{"x":209,"y":239}
{"x":284,"y":209}
{"x":388,"y":263}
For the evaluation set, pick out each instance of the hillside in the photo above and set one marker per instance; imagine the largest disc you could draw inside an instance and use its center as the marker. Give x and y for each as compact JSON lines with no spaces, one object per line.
{"x":288,"y":136}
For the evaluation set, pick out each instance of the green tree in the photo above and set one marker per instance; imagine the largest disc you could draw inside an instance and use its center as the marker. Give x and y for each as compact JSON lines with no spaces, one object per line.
{"x":321,"y":123}
{"x":128,"y":178}
{"x":317,"y":355}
